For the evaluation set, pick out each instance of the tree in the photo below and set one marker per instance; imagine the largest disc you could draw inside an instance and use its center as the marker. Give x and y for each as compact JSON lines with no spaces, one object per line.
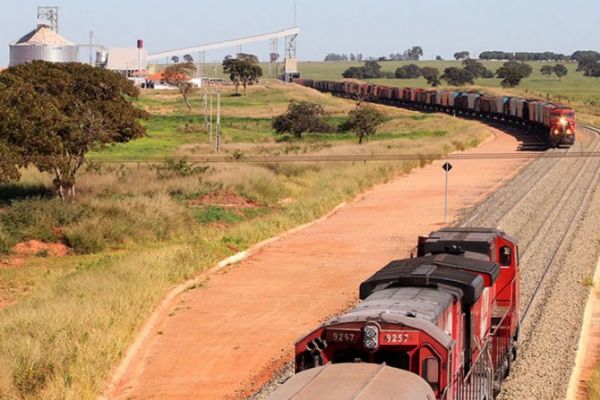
{"x":352,"y":57}
{"x":461,"y":55}
{"x":560,"y":70}
{"x":438,"y":58}
{"x":336,"y":57}
{"x":175,"y":59}
{"x":431,"y":75}
{"x":410,"y":71}
{"x":363,"y":121}
{"x":301,"y":117}
{"x":188,"y":58}
{"x":54,"y":114}
{"x":243,"y":70}
{"x":359,"y":57}
{"x":512,"y":72}
{"x":414,"y":53}
{"x":180,"y":75}
{"x":370,"y":70}
{"x":547,"y":70}
{"x":477,"y":69}
{"x":457,"y":76}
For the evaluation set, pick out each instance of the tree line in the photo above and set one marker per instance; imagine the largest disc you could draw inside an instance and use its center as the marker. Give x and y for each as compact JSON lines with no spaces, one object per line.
{"x":412,"y":54}
{"x":511,"y":73}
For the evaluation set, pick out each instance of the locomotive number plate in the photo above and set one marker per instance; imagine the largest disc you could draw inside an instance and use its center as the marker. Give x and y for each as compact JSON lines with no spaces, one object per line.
{"x":398,"y":337}
{"x":343,"y":336}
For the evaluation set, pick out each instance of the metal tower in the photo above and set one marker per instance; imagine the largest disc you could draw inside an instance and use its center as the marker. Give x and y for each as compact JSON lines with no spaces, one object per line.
{"x":49,"y":16}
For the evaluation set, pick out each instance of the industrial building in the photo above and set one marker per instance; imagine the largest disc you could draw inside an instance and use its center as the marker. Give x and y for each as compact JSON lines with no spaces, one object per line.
{"x":42,"y":44}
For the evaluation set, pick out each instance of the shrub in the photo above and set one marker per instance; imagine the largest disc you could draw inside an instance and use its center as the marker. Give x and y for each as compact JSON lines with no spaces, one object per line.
{"x":171,"y":168}
{"x":30,"y":376}
{"x":302,"y":117}
{"x":411,"y":71}
{"x":37,"y":219}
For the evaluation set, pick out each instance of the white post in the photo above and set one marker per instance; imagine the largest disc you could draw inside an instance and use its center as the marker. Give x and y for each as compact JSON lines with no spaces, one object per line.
{"x":218,"y":130}
{"x":446,"y":198}
{"x":210,"y":120}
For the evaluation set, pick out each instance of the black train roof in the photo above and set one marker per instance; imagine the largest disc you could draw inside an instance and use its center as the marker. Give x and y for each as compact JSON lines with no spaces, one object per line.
{"x":430,"y":271}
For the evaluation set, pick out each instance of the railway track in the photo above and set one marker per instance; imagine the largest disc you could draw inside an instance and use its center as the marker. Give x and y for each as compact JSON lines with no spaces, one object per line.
{"x":544,"y":208}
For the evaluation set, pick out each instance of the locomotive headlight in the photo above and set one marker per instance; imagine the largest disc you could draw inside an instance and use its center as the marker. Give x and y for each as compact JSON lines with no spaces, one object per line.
{"x":371,"y":337}
{"x":563,"y":121}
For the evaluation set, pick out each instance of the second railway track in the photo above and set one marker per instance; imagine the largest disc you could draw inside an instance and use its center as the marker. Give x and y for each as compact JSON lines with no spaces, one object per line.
{"x":553,"y":208}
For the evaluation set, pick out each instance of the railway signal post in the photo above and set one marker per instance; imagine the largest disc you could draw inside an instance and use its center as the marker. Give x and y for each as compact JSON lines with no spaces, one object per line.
{"x":447,"y":167}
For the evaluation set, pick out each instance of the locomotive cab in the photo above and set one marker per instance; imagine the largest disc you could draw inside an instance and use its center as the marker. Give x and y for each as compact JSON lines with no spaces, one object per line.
{"x":562,"y":126}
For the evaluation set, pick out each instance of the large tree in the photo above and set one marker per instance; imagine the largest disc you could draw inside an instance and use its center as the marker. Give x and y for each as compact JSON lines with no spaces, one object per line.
{"x":180,"y":76}
{"x":301,"y":117}
{"x":431,"y":75}
{"x":477,"y":69}
{"x":560,"y":70}
{"x":461,"y":55}
{"x":54,"y":114}
{"x":243,"y":70}
{"x":511,"y":73}
{"x":547,"y":70}
{"x":457,"y":76}
{"x":410,"y":71}
{"x":363,"y":121}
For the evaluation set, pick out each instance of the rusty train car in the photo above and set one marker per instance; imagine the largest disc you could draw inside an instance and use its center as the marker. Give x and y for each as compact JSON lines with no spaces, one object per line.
{"x":554,"y":123}
{"x":448,"y":317}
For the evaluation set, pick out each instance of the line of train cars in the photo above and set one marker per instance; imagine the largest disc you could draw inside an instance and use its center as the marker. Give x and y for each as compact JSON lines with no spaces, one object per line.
{"x":442,"y":325}
{"x":555,"y":123}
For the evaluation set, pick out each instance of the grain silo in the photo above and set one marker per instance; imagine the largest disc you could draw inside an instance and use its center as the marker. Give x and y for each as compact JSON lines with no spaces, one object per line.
{"x":45,"y":44}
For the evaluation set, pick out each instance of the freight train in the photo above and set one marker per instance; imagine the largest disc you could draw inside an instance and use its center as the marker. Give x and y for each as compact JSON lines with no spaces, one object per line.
{"x":554,"y":123}
{"x":442,"y":325}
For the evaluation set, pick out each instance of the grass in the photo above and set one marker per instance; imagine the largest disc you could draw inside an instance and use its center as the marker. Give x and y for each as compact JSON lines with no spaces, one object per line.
{"x":137,"y":230}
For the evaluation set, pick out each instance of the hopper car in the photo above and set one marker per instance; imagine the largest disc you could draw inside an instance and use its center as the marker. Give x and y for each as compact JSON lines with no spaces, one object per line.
{"x":554,"y":123}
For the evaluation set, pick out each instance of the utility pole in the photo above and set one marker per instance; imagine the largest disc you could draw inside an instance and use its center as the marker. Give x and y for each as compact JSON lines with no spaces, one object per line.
{"x":205,"y":109}
{"x":218,"y":131}
{"x":91,"y":48}
{"x":210,"y":124}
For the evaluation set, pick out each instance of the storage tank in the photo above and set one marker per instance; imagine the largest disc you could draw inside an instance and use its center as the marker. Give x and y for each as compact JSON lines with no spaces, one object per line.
{"x":42,"y":44}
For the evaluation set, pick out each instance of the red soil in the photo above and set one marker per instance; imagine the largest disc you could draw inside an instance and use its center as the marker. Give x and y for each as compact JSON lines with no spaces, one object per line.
{"x":36,"y":247}
{"x":226,"y":339}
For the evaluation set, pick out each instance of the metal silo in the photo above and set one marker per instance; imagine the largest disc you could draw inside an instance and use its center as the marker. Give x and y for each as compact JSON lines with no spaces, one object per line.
{"x":42,"y":44}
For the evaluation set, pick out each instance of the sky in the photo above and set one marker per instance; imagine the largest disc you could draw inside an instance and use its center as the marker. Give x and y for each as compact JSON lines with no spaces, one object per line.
{"x":373,"y":28}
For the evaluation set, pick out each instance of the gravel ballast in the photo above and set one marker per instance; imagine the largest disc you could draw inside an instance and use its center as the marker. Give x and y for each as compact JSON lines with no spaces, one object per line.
{"x":553,"y":209}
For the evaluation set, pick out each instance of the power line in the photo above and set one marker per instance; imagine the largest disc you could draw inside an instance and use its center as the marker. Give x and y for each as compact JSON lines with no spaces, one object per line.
{"x":293,"y":158}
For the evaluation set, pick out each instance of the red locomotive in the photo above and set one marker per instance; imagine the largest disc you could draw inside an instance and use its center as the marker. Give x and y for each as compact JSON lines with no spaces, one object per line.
{"x":555,"y":123}
{"x":449,"y":316}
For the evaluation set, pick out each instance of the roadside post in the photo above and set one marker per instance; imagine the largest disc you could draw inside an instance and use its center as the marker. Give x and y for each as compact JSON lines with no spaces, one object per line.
{"x":218,"y":130}
{"x":447,"y":168}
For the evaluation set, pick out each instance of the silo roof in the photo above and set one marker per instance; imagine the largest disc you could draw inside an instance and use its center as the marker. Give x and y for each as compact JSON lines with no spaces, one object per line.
{"x":43,"y":35}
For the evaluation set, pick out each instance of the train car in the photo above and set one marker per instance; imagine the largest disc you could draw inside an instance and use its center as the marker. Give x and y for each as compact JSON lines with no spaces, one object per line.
{"x":554,"y":122}
{"x":448,"y":316}
{"x":354,"y":382}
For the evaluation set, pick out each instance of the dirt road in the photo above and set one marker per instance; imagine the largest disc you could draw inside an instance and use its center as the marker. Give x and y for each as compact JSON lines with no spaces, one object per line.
{"x":224,"y":340}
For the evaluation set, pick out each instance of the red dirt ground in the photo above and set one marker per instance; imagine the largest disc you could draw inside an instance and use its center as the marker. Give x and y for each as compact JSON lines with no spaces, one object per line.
{"x":226,"y":339}
{"x":35,"y":247}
